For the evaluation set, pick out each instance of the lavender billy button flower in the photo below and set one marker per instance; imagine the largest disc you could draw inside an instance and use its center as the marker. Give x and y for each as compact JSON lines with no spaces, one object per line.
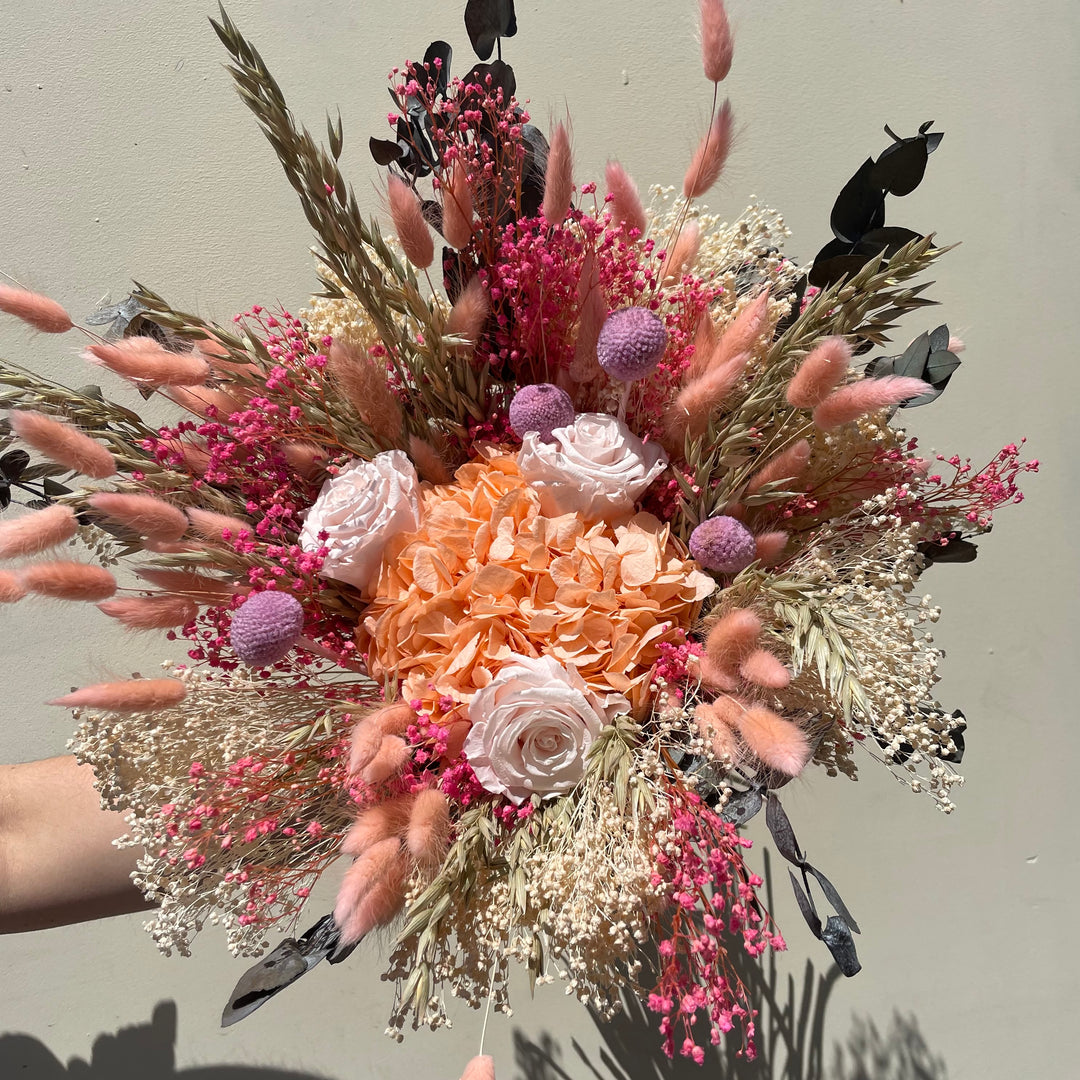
{"x":541,"y":407}
{"x":631,"y":343}
{"x":723,"y":544}
{"x":265,"y":627}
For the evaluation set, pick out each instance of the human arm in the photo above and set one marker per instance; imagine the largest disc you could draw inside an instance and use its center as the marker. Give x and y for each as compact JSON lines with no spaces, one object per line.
{"x":57,"y":862}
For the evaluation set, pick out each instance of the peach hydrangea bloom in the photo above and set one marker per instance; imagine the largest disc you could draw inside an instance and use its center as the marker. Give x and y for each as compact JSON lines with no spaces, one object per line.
{"x":487,"y":577}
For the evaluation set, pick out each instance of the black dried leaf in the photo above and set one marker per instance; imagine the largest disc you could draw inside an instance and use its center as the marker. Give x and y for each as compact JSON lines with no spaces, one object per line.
{"x":13,"y":463}
{"x":384,"y":151}
{"x":957,"y":736}
{"x":782,"y":833}
{"x":837,"y":937}
{"x":39,"y":504}
{"x":955,"y":549}
{"x":920,"y":360}
{"x":859,"y":207}
{"x":432,"y":212}
{"x":458,"y":268}
{"x":5,"y":495}
{"x":501,"y":76}
{"x":939,"y":338}
{"x":806,"y":906}
{"x":52,"y":489}
{"x":117,"y":317}
{"x":533,"y":170}
{"x":439,"y":73}
{"x":901,"y":167}
{"x":899,"y":756}
{"x":487,"y":20}
{"x":742,"y":806}
{"x":833,"y":897}
{"x":795,"y":299}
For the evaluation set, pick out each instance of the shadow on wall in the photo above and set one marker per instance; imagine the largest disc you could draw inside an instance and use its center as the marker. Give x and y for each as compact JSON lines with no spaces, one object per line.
{"x":145,"y":1052}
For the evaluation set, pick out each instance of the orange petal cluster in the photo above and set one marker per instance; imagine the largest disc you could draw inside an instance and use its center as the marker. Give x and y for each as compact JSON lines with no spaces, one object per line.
{"x":488,"y":577}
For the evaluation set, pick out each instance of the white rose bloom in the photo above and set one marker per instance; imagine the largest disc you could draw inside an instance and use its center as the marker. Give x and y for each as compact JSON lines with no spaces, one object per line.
{"x":596,"y":467}
{"x":361,"y":509}
{"x":532,"y":727}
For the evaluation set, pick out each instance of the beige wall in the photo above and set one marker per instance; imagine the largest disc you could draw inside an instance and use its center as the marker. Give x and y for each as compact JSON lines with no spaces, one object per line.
{"x":124,"y":153}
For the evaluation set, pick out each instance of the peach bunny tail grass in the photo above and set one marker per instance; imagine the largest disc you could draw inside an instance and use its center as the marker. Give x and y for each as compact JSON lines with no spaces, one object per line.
{"x":34,"y":309}
{"x":378,"y":822}
{"x":392,"y":757}
{"x":136,"y":695}
{"x":716,"y":730}
{"x":202,"y":401}
{"x":717,"y":47}
{"x":141,"y":359}
{"x":732,"y":639}
{"x":682,"y":255}
{"x":429,"y":827}
{"x":11,"y":589}
{"x":481,"y":1067}
{"x":558,"y":177}
{"x":412,"y":230}
{"x":706,"y":339}
{"x":711,"y":155}
{"x":744,"y":331}
{"x":788,"y":465}
{"x":698,"y":400}
{"x":469,"y":313}
{"x":626,"y":206}
{"x":201,"y":588}
{"x":428,"y":461}
{"x":147,"y":515}
{"x":821,"y":372}
{"x":457,"y":207}
{"x":860,"y":398}
{"x":371,"y":893}
{"x":214,"y":526}
{"x":151,"y":612}
{"x":306,"y":459}
{"x":779,"y":743}
{"x":769,"y":547}
{"x":69,"y":581}
{"x":363,"y":383}
{"x":762,"y":668}
{"x":393,"y":719}
{"x":37,"y":531}
{"x":63,"y":443}
{"x":364,"y":745}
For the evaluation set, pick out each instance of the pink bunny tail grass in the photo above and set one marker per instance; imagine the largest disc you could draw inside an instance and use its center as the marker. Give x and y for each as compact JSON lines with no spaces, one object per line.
{"x":429,"y":827}
{"x":821,"y":372}
{"x":11,"y":588}
{"x":381,"y":821}
{"x":698,"y":400}
{"x":163,"y":612}
{"x":202,"y":401}
{"x":145,"y":514}
{"x":393,"y":755}
{"x":194,"y":456}
{"x":393,"y":719}
{"x":64,"y":444}
{"x":69,"y":581}
{"x":860,"y":398}
{"x":716,"y":731}
{"x":732,"y":639}
{"x":143,"y":360}
{"x":625,"y":205}
{"x":744,"y":331}
{"x":457,"y":207}
{"x":38,"y":311}
{"x":717,"y":47}
{"x":371,"y":892}
{"x":956,"y":345}
{"x":708,"y":161}
{"x":412,"y":230}
{"x":363,"y":383}
{"x":37,"y":531}
{"x":481,"y":1067}
{"x":712,"y":676}
{"x":198,"y":587}
{"x":136,"y":695}
{"x":591,"y":318}
{"x":428,"y":461}
{"x":558,"y":177}
{"x":364,"y":744}
{"x":682,"y":255}
{"x":213,"y":526}
{"x":706,"y":339}
{"x":788,"y":465}
{"x":779,"y":743}
{"x":468,"y":315}
{"x":306,"y":459}
{"x":762,"y":668}
{"x":770,"y":547}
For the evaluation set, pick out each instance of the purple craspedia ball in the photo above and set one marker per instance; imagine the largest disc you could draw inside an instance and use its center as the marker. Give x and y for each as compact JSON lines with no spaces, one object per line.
{"x":723,"y":544}
{"x":631,"y":343}
{"x":541,"y":407}
{"x":265,"y":627}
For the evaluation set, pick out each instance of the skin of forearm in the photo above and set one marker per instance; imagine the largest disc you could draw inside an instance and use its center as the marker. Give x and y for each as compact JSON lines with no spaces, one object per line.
{"x":57,"y":861}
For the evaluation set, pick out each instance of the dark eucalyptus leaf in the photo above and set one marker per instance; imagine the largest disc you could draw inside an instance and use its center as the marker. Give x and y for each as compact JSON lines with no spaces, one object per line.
{"x":52,"y":489}
{"x":498,"y":75}
{"x":5,"y":495}
{"x":458,"y":268}
{"x":795,"y":299}
{"x":13,"y":463}
{"x":40,"y":504}
{"x":939,"y":338}
{"x":887,"y":241}
{"x":837,"y":937}
{"x":432,"y":212}
{"x":806,"y":906}
{"x":833,"y":897}
{"x":859,"y":207}
{"x":955,"y":549}
{"x":742,"y":806}
{"x":957,"y":736}
{"x":439,"y":73}
{"x":782,"y":833}
{"x":117,"y":317}
{"x":384,"y":151}
{"x":533,"y":170}
{"x":486,"y":20}
{"x":901,"y":755}
{"x":901,"y":167}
